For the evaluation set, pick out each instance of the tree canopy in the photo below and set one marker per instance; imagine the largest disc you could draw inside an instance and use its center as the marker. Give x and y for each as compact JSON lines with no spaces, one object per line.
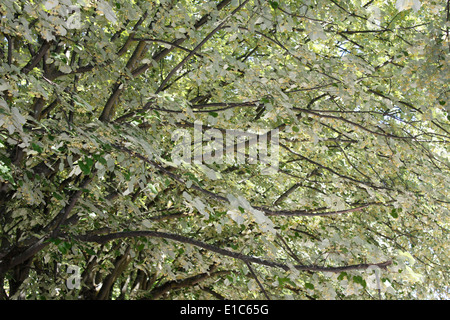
{"x":94,"y":93}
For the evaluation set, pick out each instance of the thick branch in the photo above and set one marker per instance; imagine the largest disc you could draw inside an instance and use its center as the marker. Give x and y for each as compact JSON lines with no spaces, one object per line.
{"x":235,"y":255}
{"x":120,"y":264}
{"x":38,"y":56}
{"x":63,"y":214}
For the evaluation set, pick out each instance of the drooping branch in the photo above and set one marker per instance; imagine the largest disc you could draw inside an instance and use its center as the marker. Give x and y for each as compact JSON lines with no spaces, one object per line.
{"x":101,"y":239}
{"x":319,"y":165}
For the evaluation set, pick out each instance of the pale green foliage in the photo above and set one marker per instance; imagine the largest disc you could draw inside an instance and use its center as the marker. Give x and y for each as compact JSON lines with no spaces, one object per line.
{"x":92,"y":91}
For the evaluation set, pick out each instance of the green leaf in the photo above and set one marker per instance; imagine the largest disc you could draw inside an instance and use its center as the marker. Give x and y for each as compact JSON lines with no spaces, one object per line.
{"x":86,"y":165}
{"x":64,"y":247}
{"x":283,"y":280}
{"x":309,"y":286}
{"x":89,"y":161}
{"x":360,"y":280}
{"x":394,"y":213}
{"x":85,"y":168}
{"x":55,"y":241}
{"x":100,"y":159}
{"x":342,"y":275}
{"x":90,"y":251}
{"x":106,"y":9}
{"x":57,"y":196}
{"x":50,"y":4}
{"x":273,"y":4}
{"x":36,"y":147}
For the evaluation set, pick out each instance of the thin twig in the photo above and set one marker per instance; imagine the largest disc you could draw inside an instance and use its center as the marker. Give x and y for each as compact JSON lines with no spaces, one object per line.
{"x":257,"y":281}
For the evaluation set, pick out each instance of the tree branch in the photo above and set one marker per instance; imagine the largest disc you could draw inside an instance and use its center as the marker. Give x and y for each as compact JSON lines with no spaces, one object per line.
{"x":38,"y":56}
{"x":388,"y":135}
{"x":120,"y":264}
{"x":286,"y":194}
{"x":168,"y":43}
{"x":101,"y":239}
{"x":257,"y":280}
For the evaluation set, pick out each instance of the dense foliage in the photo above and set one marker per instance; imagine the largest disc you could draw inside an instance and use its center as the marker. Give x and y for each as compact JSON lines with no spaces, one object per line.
{"x":92,"y":205}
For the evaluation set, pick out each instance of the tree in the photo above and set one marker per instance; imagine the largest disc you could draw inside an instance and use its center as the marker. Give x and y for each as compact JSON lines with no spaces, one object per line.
{"x":95,"y":96}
